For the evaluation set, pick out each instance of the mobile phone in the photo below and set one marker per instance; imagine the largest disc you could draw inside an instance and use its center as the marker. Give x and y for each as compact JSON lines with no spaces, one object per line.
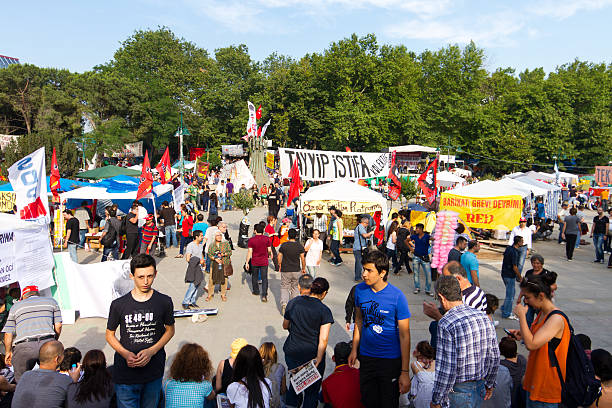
{"x":509,"y":333}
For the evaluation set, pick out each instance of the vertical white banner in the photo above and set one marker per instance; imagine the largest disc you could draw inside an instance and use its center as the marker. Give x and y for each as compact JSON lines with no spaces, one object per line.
{"x":29,"y":181}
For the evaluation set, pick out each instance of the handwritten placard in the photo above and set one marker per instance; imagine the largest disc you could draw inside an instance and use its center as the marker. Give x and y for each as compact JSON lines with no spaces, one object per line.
{"x":305,"y":377}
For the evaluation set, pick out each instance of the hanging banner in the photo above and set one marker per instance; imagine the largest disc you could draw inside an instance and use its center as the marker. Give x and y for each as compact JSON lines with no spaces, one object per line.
{"x":202,"y":170}
{"x":500,"y":213}
{"x":270,"y":160}
{"x":29,"y":181}
{"x":232,"y":150}
{"x":7,"y":201}
{"x":347,"y":207}
{"x":195,"y":152}
{"x":603,"y":175}
{"x":320,"y":165}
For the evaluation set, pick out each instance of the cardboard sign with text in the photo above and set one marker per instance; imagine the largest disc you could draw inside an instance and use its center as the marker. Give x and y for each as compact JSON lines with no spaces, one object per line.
{"x":498,"y":213}
{"x":304,"y":378}
{"x":603,"y":175}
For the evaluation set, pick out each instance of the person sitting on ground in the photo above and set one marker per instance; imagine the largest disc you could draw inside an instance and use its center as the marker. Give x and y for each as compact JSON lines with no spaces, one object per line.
{"x":586,"y":343}
{"x":516,"y":365}
{"x":341,"y":388}
{"x":423,"y":370}
{"x":225,"y":369}
{"x":95,"y":389}
{"x":189,"y":383}
{"x":72,"y":359}
{"x":251,"y":388}
{"x":602,"y":365}
{"x":45,"y":387}
{"x":274,"y":372}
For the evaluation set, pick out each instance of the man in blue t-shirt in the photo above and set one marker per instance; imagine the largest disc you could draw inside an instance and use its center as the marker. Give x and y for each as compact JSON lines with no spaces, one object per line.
{"x":381,"y":335}
{"x":362,"y":237}
{"x":420,"y":241}
{"x":469,"y":261}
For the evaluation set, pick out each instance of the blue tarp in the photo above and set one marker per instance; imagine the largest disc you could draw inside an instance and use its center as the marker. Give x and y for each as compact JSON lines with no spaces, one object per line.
{"x":65,"y":185}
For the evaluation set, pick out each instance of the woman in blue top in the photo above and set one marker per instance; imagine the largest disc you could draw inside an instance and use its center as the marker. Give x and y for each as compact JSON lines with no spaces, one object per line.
{"x":189,"y":384}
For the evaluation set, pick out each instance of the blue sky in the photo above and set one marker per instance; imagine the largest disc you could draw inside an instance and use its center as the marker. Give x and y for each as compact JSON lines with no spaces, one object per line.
{"x":78,"y":35}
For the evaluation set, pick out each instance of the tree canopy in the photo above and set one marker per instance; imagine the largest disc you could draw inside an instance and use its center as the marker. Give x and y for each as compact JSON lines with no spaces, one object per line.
{"x":356,"y":93}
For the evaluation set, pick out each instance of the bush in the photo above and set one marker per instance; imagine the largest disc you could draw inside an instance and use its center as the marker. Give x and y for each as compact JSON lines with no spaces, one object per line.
{"x":243,"y":200}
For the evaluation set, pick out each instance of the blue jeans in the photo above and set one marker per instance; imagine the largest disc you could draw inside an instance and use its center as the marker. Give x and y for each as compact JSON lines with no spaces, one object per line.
{"x":538,"y":404}
{"x":204,"y":199}
{"x":257,"y":273}
{"x":191,"y":295}
{"x":417,"y":264}
{"x":560,"y":239}
{"x":334,"y":247}
{"x":522,"y":256}
{"x":598,"y":243}
{"x":506,"y":308}
{"x":358,"y":265}
{"x":72,"y":251}
{"x":311,"y":394}
{"x":170,"y":232}
{"x":114,"y":250}
{"x":578,"y":239}
{"x":82,"y":233}
{"x":228,"y":202}
{"x":222,"y":202}
{"x":138,"y":395}
{"x":530,"y":315}
{"x":184,"y":242}
{"x":467,"y":395}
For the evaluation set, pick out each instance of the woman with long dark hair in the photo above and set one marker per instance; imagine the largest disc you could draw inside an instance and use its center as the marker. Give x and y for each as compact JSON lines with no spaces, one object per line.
{"x":391,"y":246}
{"x":213,"y":211}
{"x":95,"y":389}
{"x":251,"y":388}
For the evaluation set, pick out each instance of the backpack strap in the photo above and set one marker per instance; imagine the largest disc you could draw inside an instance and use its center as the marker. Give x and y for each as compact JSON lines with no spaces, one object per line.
{"x":551,"y":354}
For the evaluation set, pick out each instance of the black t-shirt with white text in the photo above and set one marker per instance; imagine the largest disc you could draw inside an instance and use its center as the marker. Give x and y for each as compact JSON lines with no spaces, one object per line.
{"x":141,"y":325}
{"x":73,"y":225}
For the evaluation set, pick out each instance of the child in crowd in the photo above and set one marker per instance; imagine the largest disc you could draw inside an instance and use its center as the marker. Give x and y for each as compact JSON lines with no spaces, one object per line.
{"x":516,"y":365}
{"x":274,"y":372}
{"x":72,"y":357}
{"x":423,"y":370}
{"x":602,"y":365}
{"x":492,"y":305}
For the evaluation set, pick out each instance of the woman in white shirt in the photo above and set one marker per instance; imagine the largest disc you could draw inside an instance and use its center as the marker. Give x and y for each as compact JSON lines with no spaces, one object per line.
{"x":314,"y":252}
{"x":251,"y":388}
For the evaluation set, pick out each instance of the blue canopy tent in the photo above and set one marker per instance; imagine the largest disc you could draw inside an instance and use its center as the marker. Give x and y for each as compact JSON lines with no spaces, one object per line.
{"x":65,"y":185}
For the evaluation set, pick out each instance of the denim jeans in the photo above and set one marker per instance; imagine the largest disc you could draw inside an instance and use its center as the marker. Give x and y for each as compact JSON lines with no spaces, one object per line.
{"x":82,"y":233}
{"x":257,"y":273}
{"x":560,"y":239}
{"x":138,"y":395}
{"x":506,"y":308}
{"x":358,"y":265}
{"x":538,"y":404}
{"x":578,"y":238}
{"x":598,"y":243}
{"x":530,"y":315}
{"x":114,"y":250}
{"x":418,"y":264}
{"x":467,"y":395}
{"x":228,"y":202}
{"x":184,"y":242}
{"x":204,"y":199}
{"x":170,"y":232}
{"x":522,"y":256}
{"x":73,"y":253}
{"x":334,"y":247}
{"x":191,"y":295}
{"x":311,"y":394}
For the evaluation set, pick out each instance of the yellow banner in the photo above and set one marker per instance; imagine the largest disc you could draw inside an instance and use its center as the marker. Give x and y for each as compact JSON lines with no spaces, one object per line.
{"x":270,"y":160}
{"x":347,"y":207}
{"x":502,"y":213}
{"x":7,"y":201}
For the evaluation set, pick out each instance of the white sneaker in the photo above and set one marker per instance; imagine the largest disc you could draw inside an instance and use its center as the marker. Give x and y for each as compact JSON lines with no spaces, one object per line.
{"x":512,"y":317}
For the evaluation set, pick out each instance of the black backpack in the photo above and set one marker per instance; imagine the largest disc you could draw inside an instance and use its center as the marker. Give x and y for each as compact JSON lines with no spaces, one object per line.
{"x":123,"y":228}
{"x":110,"y":237}
{"x":580,"y":388}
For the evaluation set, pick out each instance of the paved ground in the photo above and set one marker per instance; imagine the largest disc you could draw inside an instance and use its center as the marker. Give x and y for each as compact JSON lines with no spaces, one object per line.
{"x":583,"y":294}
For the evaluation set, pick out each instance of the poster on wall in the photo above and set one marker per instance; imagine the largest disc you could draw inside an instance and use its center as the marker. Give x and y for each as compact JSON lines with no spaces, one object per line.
{"x":320,"y":165}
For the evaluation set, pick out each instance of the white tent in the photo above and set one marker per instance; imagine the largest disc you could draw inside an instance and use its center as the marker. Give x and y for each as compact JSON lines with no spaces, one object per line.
{"x":448,"y":179}
{"x":239,"y":173}
{"x":489,"y":188}
{"x":531,"y":188}
{"x":349,"y":197}
{"x":514,"y":175}
{"x":411,"y":149}
{"x":461,"y":172}
{"x":538,"y":183}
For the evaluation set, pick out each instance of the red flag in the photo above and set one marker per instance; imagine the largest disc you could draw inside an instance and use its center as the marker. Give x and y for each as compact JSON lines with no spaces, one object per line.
{"x":258,"y":113}
{"x":54,"y":179}
{"x":348,"y":149}
{"x":428,"y":181}
{"x":163,"y":168}
{"x":146,"y":178}
{"x":379,"y":232}
{"x":258,"y":131}
{"x":296,"y":183}
{"x":395,"y":187}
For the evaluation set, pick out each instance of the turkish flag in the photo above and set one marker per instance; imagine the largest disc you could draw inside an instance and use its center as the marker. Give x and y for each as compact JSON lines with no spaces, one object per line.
{"x":258,"y":113}
{"x":427,"y":181}
{"x":163,"y":168}
{"x":296,"y":183}
{"x":146,"y":178}
{"x":258,"y":131}
{"x":348,"y":149}
{"x":54,"y":179}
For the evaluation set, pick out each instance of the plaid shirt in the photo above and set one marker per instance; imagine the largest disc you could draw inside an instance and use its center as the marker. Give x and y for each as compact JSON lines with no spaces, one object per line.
{"x":467,"y":351}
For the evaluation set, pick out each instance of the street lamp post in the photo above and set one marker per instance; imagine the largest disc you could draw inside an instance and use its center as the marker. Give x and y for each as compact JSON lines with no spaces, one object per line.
{"x":182,"y":131}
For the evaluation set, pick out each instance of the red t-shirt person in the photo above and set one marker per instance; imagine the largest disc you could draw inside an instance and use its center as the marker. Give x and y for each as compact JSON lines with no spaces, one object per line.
{"x":341,"y":389}
{"x":259,"y":244}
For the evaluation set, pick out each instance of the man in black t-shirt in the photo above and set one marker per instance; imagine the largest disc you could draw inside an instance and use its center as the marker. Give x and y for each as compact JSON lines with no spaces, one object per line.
{"x":598,"y":233}
{"x":71,"y":239}
{"x":292,"y":265}
{"x":308,"y":321}
{"x":145,"y":318}
{"x":456,"y":252}
{"x":168,"y":214}
{"x":131,"y":232}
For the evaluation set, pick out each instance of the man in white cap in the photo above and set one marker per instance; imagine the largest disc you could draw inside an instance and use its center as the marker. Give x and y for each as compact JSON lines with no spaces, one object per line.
{"x":522,"y":231}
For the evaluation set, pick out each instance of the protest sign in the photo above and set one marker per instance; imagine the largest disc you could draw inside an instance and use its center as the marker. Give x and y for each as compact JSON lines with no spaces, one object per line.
{"x":500,"y":213}
{"x":319,"y":165}
{"x":202,"y":169}
{"x":232,"y":150}
{"x":304,"y":378}
{"x":29,"y":182}
{"x":270,"y":160}
{"x":178,"y":196}
{"x":7,"y":201}
{"x":603,"y":175}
